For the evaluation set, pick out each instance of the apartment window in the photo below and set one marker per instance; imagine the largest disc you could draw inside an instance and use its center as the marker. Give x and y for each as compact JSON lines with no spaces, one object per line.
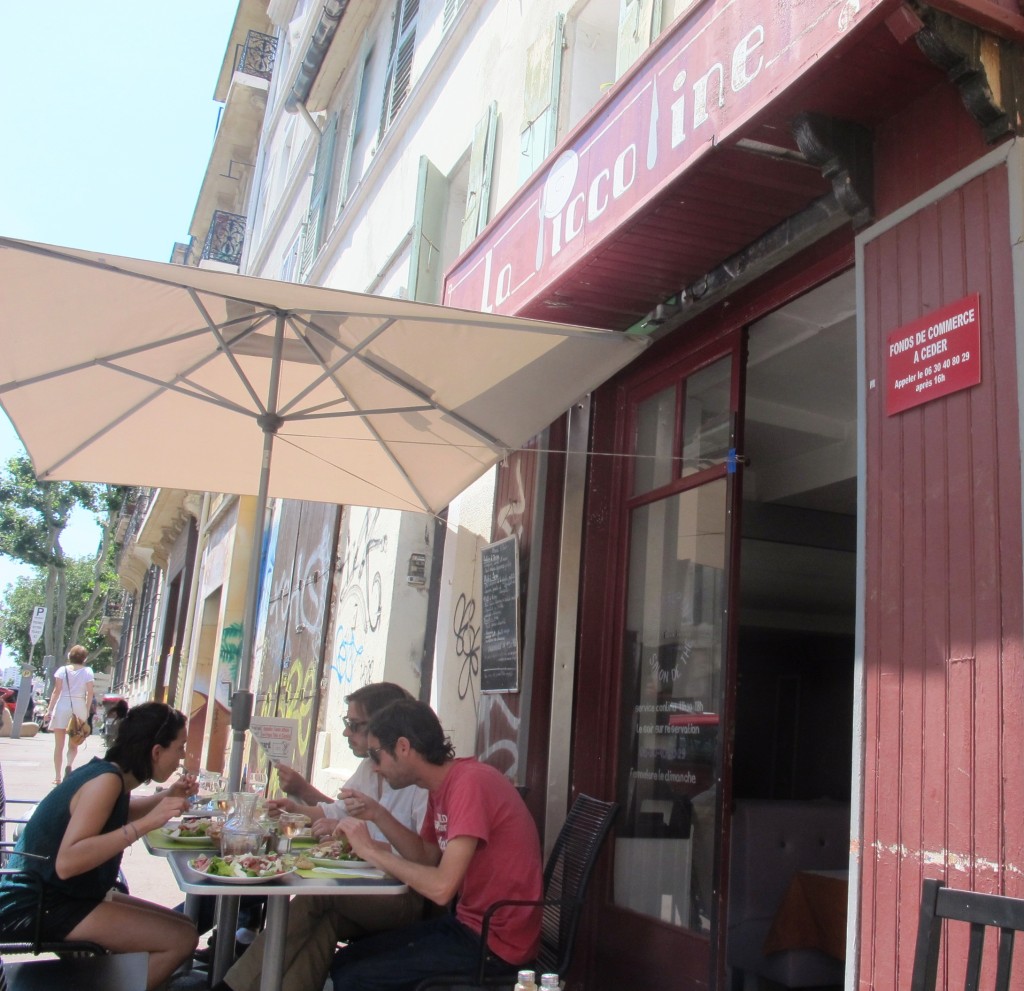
{"x":399,"y":74}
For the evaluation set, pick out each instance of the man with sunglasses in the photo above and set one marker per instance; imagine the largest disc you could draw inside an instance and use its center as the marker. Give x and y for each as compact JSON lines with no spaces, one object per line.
{"x":316,"y":923}
{"x":478,"y":841}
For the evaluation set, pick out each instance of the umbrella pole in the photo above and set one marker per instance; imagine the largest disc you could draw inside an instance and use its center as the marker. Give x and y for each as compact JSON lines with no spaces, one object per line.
{"x":242,"y":699}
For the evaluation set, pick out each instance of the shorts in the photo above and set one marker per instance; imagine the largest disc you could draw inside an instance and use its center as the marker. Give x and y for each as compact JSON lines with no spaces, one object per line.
{"x":61,"y":912}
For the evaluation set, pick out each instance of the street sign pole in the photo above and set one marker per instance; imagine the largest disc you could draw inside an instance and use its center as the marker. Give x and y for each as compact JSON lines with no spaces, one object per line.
{"x":35,"y":631}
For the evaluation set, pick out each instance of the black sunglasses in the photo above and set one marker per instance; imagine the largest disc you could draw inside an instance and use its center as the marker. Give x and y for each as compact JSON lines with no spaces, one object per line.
{"x":374,"y":753}
{"x":354,"y":725}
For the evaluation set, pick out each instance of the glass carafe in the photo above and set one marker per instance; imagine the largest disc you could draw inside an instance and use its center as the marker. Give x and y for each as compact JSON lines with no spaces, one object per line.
{"x":242,"y":832}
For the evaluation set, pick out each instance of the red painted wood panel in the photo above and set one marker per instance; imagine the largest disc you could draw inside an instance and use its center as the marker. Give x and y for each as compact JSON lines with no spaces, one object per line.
{"x":944,"y":783}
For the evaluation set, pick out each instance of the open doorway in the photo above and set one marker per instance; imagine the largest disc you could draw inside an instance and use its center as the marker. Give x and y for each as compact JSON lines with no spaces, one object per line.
{"x":795,"y":643}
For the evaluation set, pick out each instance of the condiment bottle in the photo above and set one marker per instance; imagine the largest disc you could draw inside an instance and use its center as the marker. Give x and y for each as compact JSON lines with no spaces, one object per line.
{"x":526,"y":981}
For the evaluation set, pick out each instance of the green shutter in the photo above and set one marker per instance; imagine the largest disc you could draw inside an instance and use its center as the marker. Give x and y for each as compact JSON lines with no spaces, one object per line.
{"x":639,"y":25}
{"x":312,"y":234}
{"x":481,"y":170}
{"x":428,"y":233}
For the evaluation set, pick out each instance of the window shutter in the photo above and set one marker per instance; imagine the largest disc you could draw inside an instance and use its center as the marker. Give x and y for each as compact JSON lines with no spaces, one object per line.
{"x":399,"y":77}
{"x":428,"y":233}
{"x":451,"y":8}
{"x":639,"y":25}
{"x":481,"y":168}
{"x":312,"y":234}
{"x":542,"y":96}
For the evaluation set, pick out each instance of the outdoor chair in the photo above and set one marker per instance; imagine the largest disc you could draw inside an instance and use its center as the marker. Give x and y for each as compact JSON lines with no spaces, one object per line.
{"x":34,"y":943}
{"x":4,"y":819}
{"x":566,"y":876}
{"x":117,"y":972}
{"x":1003,"y":915}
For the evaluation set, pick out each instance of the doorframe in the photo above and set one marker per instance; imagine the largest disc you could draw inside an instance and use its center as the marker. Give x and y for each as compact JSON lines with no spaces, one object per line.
{"x":602,"y":551}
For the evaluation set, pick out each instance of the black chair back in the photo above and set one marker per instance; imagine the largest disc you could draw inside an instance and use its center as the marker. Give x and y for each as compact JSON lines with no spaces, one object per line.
{"x":1000,"y":916}
{"x":566,"y":877}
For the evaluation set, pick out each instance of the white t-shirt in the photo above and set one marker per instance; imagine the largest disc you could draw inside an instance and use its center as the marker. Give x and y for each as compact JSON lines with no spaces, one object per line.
{"x":72,"y":696}
{"x":408,"y":805}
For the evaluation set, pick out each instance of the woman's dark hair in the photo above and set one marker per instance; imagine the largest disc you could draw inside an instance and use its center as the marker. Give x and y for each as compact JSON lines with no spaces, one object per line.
{"x":119,"y":709}
{"x":375,"y":696}
{"x":144,"y":727}
{"x":418,"y":723}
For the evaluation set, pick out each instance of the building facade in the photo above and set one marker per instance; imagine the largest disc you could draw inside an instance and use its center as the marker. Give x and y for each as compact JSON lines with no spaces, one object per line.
{"x":776,"y":562}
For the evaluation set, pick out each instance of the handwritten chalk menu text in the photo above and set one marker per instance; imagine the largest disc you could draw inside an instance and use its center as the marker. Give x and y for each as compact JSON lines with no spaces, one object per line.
{"x":936,"y":355}
{"x":499,"y":651}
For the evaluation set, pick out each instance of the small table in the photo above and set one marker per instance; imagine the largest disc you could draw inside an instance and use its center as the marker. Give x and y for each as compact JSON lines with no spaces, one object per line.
{"x":278,"y":892}
{"x":812,"y":914}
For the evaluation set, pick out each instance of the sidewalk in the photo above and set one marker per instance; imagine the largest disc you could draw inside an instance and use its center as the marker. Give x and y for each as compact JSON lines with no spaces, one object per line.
{"x":28,"y":772}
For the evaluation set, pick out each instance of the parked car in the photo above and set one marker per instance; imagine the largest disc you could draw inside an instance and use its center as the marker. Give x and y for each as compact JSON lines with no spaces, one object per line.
{"x":9,"y":697}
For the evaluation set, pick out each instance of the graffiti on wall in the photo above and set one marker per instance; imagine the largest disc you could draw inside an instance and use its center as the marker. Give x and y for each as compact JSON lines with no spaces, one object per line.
{"x":360,"y":600}
{"x":467,"y":645}
{"x":361,"y":597}
{"x":230,"y":652}
{"x":509,"y":519}
{"x":498,"y":733}
{"x":298,"y":689}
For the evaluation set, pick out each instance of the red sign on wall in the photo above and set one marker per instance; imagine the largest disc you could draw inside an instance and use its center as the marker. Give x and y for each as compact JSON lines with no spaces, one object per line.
{"x":935,"y":355}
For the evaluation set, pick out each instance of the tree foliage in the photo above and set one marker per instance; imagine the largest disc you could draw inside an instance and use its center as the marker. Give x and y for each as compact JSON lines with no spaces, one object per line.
{"x":33,"y":515}
{"x":84,"y":610}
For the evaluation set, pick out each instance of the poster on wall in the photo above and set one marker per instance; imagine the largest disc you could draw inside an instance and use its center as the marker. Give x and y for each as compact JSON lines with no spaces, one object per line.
{"x":499,"y":649}
{"x":937,"y":354}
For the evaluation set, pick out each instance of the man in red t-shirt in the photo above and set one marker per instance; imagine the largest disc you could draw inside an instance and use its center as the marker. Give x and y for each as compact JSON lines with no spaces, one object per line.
{"x":478,"y":841}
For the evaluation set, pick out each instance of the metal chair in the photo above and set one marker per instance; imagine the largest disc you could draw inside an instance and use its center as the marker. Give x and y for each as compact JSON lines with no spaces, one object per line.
{"x":566,"y":876}
{"x":4,"y":800}
{"x":35,"y":944}
{"x":1003,"y":915}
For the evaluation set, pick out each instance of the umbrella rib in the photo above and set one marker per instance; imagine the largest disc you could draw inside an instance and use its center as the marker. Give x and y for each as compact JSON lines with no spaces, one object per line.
{"x":195,"y":391}
{"x":424,"y":506}
{"x":310,"y":414}
{"x":493,"y":442}
{"x":226,"y":348}
{"x":329,"y":372}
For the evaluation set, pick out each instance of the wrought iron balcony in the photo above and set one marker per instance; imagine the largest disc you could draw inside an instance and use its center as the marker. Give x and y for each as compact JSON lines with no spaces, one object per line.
{"x":257,"y":55}
{"x":225,"y":238}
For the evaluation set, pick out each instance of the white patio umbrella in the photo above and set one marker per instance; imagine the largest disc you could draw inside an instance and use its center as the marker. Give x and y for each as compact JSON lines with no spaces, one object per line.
{"x":134,"y":372}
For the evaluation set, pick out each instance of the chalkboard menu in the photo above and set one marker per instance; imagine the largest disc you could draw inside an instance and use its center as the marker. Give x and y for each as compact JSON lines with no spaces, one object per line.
{"x":499,"y":651}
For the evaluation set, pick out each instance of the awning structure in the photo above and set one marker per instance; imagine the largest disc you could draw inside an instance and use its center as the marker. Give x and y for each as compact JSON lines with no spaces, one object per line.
{"x":125,"y":371}
{"x":137,"y":372}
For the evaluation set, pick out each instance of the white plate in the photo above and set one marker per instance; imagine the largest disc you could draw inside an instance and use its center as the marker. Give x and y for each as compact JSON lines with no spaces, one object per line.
{"x":202,"y":811}
{"x":191,"y":840}
{"x":218,"y":878}
{"x":340,"y":864}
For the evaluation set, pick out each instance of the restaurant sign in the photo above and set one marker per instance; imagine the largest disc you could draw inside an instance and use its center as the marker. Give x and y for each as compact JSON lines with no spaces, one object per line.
{"x":935,"y":355}
{"x":700,"y":83}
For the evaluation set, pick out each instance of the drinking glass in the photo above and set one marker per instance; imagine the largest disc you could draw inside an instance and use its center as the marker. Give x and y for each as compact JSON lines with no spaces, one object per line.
{"x":290,"y":824}
{"x":256,"y":781}
{"x":210,"y":783}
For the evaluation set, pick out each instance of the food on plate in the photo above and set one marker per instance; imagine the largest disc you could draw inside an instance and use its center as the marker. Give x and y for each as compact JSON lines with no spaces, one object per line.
{"x":189,"y":829}
{"x":242,"y":865}
{"x":333,"y":849}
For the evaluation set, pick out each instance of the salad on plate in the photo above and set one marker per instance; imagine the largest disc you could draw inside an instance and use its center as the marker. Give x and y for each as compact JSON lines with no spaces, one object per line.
{"x":244,"y":867}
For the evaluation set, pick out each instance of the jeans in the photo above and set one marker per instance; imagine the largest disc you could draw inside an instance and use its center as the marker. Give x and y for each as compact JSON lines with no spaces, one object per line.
{"x":398,"y":960}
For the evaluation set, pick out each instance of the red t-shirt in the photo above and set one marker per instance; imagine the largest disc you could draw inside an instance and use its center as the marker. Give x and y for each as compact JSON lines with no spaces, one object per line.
{"x":478,"y":800}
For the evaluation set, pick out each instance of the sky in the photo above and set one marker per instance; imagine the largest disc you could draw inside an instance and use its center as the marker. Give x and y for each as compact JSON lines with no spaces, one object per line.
{"x":107,"y":120}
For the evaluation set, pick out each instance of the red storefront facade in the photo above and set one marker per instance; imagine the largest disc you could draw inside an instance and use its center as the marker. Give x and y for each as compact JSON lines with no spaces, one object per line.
{"x":790,"y":593}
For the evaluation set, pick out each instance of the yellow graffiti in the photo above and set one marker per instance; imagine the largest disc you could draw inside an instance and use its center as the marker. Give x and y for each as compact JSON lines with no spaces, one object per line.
{"x":298,"y":689}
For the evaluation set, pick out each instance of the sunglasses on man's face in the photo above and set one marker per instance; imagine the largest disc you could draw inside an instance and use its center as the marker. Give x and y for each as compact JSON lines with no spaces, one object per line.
{"x":374,"y":753}
{"x":354,"y":725}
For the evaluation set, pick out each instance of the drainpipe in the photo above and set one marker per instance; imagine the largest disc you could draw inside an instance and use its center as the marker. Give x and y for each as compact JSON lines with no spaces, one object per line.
{"x":312,"y":62}
{"x":189,"y":654}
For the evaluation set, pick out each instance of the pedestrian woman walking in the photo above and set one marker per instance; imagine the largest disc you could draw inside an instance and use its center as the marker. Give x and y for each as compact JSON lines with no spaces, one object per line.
{"x":73,"y":686}
{"x":76,"y":838}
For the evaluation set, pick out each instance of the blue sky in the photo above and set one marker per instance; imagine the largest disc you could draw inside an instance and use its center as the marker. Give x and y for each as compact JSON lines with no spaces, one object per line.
{"x":108,"y":119}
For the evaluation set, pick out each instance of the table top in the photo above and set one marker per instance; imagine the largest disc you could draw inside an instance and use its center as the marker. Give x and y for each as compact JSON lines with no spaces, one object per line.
{"x":290,"y":884}
{"x":812,"y":914}
{"x":160,"y":844}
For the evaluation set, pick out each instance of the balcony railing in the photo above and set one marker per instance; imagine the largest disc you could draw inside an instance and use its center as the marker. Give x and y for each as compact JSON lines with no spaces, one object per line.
{"x":225,"y":238}
{"x":257,"y":55}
